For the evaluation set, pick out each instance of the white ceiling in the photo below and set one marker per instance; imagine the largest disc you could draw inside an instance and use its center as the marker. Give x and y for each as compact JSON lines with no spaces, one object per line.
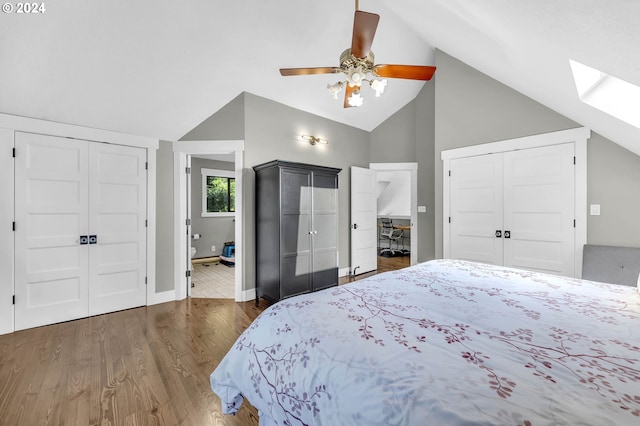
{"x":159,"y":68}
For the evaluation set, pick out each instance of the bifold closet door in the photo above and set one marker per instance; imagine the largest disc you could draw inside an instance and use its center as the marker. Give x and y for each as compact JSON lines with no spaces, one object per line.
{"x":80,"y":229}
{"x":51,"y":204}
{"x":539,"y":212}
{"x":476,"y":205}
{"x":515,"y":209}
{"x":117,"y":214}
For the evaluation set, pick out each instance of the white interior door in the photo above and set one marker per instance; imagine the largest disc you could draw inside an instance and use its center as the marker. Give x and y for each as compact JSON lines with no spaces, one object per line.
{"x":539,"y":209}
{"x":117,"y":215}
{"x":51,"y":215}
{"x":476,"y":200}
{"x":364,"y":228}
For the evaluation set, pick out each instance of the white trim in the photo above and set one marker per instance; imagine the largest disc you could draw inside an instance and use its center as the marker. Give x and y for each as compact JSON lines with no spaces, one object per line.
{"x":247,"y":295}
{"x":7,"y":236}
{"x":203,"y":193}
{"x":413,"y":168}
{"x":32,"y":125}
{"x":181,"y":149}
{"x":577,"y":136}
{"x":580,"y":201}
{"x":544,"y":139}
{"x":151,"y":225}
{"x":163,"y":297}
{"x":344,"y":272}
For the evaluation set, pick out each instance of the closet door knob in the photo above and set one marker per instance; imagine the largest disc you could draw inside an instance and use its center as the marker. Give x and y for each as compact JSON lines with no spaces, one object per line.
{"x":84,"y":239}
{"x":507,"y":234}
{"x":93,"y":239}
{"x":498,"y":234}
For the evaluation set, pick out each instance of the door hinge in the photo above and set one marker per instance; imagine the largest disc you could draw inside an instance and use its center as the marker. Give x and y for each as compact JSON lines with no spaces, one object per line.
{"x":449,"y":173}
{"x":14,"y":299}
{"x":188,"y":221}
{"x":13,"y":152}
{"x":14,"y":226}
{"x":146,"y":165}
{"x":574,"y":160}
{"x":449,"y":219}
{"x":187,"y":170}
{"x":145,"y":281}
{"x":187,"y":274}
{"x":146,"y":223}
{"x":574,"y":223}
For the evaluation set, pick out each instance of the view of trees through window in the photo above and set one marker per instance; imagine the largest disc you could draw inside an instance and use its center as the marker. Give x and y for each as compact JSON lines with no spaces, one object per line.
{"x":221,"y":194}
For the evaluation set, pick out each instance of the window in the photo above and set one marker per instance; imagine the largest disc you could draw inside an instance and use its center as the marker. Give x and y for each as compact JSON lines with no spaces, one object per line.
{"x":607,"y":93}
{"x":218,"y":193}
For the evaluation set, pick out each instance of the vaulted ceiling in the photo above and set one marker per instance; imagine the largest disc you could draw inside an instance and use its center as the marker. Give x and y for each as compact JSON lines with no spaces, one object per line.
{"x":159,"y":68}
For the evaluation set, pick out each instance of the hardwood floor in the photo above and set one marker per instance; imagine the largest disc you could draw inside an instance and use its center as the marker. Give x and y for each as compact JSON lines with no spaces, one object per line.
{"x":143,"y":366}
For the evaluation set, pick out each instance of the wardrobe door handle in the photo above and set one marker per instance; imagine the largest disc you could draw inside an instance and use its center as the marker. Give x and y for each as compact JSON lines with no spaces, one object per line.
{"x":498,"y":233}
{"x":84,"y":239}
{"x":507,"y":234}
{"x":93,"y":239}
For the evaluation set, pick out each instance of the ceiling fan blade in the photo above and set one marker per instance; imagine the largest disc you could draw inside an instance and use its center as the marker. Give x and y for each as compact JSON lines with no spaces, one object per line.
{"x":308,"y":71}
{"x":348,"y":91}
{"x":410,"y":72}
{"x":364,"y":29}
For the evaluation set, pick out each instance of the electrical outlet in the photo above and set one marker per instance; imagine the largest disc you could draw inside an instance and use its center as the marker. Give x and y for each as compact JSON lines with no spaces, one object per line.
{"x":213,"y":249}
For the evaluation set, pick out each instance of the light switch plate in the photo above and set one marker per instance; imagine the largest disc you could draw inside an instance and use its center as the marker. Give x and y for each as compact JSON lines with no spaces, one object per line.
{"x":594,"y":209}
{"x":422,"y":209}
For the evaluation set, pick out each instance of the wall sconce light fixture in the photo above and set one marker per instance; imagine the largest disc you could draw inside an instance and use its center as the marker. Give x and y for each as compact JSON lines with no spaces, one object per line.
{"x":313,"y":140}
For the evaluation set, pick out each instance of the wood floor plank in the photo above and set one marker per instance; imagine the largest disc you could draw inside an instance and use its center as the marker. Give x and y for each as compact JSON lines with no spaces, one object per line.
{"x":144,"y":366}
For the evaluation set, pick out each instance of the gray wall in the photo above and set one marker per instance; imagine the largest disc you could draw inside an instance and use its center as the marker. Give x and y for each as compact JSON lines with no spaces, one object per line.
{"x":613,"y":182}
{"x":272,"y":131}
{"x":408,"y":136}
{"x":471,"y":109}
{"x":226,"y":124}
{"x":213,"y":230}
{"x":164,"y":217}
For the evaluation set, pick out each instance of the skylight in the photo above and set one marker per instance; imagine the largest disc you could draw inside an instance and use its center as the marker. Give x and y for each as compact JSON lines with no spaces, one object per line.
{"x":609,"y":94}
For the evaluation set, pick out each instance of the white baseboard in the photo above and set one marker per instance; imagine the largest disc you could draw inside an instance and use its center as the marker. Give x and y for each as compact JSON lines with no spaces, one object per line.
{"x":163,"y":297}
{"x":247,"y":295}
{"x":344,"y":272}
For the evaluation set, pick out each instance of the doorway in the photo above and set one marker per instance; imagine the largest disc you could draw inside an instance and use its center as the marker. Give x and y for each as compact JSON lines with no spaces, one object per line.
{"x":186,"y":236}
{"x":365,"y":214}
{"x":211,"y":214}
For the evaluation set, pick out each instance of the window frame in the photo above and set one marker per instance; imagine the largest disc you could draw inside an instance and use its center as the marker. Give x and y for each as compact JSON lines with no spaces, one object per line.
{"x":230,"y":174}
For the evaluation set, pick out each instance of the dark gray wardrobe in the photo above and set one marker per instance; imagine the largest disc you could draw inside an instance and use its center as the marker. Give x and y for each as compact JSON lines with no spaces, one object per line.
{"x":296,"y":229}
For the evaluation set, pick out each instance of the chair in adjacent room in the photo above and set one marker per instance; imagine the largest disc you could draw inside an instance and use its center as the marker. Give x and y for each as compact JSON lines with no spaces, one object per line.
{"x":393,"y":235}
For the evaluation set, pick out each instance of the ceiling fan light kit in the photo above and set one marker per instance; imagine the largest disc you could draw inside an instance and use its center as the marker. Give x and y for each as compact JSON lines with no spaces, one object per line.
{"x":357,"y":65}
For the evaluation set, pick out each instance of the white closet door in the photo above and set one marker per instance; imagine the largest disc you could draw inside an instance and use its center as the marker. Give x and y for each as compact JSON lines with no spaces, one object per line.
{"x":476,"y":201}
{"x":117,"y":213}
{"x":364,"y":227}
{"x":539,"y":209}
{"x":51,"y":193}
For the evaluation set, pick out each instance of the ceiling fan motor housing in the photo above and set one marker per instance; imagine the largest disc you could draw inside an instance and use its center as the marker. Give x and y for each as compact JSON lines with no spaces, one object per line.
{"x":356,"y":68}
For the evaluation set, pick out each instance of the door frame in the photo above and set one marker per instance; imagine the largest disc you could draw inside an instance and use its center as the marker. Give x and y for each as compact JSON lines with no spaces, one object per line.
{"x":180,"y":151}
{"x":413,"y":169}
{"x":15,"y":123}
{"x":7,"y":235}
{"x":577,"y":136}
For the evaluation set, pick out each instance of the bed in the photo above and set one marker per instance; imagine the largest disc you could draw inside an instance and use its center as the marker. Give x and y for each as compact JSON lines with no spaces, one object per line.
{"x":445,"y":342}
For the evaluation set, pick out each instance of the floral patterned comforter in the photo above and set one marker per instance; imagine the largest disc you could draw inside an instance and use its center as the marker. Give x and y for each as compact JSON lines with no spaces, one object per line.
{"x":443,"y":343}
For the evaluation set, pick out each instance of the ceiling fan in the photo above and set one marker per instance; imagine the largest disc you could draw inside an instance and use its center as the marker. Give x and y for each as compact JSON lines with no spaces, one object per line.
{"x":357,"y":62}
